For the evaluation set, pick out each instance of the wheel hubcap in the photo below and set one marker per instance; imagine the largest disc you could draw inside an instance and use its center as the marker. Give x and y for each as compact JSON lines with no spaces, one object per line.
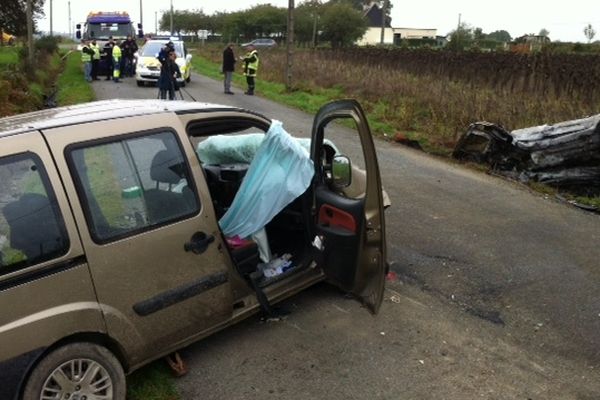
{"x":79,"y":379}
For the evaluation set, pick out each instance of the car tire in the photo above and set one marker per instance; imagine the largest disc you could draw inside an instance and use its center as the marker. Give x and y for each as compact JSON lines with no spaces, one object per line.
{"x":189,"y":78}
{"x":108,"y":378}
{"x":140,"y":83}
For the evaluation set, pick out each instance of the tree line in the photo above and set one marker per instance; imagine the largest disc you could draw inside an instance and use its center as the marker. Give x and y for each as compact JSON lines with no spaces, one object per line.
{"x":339,"y":22}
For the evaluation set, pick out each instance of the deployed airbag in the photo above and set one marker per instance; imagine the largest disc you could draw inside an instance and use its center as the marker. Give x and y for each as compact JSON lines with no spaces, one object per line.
{"x":280,"y":171}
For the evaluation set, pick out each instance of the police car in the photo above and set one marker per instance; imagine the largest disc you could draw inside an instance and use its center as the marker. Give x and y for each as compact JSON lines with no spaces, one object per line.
{"x":148,"y":67}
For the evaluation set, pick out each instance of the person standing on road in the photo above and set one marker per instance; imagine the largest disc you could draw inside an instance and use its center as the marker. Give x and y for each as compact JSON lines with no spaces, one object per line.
{"x":108,"y":46}
{"x":116,"y":56}
{"x":129,"y":47}
{"x":169,"y":72}
{"x":228,"y":67}
{"x":95,"y":59}
{"x":86,"y":59}
{"x":250,"y":68}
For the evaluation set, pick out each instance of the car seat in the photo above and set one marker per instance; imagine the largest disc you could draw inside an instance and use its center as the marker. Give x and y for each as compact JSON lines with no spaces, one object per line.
{"x":34,"y":229}
{"x":168,"y":168}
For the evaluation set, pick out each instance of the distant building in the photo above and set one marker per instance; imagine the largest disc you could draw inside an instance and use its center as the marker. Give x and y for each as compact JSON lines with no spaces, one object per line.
{"x":372,"y":36}
{"x":529,"y":43}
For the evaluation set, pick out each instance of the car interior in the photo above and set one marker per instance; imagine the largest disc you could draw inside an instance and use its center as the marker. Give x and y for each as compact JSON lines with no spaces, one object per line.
{"x":288,"y":233}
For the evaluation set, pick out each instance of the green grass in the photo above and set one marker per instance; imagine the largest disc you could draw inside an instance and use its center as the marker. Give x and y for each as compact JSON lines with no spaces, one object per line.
{"x":8,"y":55}
{"x":589,"y":201}
{"x":153,"y":382}
{"x":72,"y":88}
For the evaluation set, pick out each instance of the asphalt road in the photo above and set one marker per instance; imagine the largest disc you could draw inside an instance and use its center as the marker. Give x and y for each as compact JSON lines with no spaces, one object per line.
{"x":498,"y":296}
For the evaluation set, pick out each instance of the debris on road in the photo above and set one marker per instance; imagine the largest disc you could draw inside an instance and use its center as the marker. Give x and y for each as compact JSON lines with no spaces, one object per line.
{"x":565,"y":155}
{"x":395,"y":299}
{"x":391,"y":276}
{"x":406,"y":141}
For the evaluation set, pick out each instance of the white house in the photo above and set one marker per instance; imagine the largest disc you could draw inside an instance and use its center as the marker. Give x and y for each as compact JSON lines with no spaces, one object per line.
{"x":391,"y":35}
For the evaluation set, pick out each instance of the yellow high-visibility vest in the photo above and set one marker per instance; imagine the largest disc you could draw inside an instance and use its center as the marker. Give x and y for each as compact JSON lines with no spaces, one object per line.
{"x":96,"y":49}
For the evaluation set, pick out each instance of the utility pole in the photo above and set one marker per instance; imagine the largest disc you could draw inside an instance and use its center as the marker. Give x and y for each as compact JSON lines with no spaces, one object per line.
{"x":383,"y":4}
{"x":51,"y":31}
{"x":315,"y":5}
{"x":290,"y":45}
{"x":155,"y":22}
{"x":29,"y":13}
{"x":141,"y":14}
{"x":171,"y":17}
{"x":314,"y":34}
{"x":458,"y":33}
{"x":70,"y":31}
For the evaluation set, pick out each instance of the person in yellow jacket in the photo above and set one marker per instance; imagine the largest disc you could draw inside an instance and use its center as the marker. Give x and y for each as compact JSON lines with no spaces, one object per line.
{"x":116,"y":55}
{"x":95,"y":59}
{"x":86,"y":59}
{"x":250,"y":60}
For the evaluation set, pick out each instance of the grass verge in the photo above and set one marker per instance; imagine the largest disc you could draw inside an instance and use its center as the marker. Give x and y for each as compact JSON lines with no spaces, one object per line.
{"x":72,"y":88}
{"x":153,"y":382}
{"x":8,"y":55}
{"x":305,"y":99}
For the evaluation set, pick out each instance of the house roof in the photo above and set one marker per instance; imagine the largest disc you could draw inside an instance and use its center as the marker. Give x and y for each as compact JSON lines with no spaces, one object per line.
{"x":373,"y":15}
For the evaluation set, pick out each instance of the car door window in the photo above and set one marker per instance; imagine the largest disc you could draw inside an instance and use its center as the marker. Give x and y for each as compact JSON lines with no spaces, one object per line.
{"x":32,"y":229}
{"x":133,"y":184}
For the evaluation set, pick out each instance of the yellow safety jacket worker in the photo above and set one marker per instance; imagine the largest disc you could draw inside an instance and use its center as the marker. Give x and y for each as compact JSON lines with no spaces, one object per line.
{"x":85,"y":57}
{"x":251,"y":63}
{"x":96,"y":49}
{"x":116,"y":53}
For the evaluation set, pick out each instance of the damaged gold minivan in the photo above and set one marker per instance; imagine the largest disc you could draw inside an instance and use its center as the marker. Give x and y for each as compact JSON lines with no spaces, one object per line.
{"x":111,"y":249}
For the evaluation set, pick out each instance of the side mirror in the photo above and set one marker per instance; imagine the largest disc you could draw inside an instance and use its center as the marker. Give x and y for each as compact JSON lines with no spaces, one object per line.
{"x":78,"y":34}
{"x":341,"y":169}
{"x":140,"y":33}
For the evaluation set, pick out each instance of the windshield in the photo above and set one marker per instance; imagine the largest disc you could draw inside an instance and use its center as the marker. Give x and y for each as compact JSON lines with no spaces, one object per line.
{"x":151,"y":49}
{"x":104,"y":30}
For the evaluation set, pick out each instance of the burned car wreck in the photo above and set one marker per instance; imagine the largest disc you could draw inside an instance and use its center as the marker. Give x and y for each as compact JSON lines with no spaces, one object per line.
{"x":565,"y":155}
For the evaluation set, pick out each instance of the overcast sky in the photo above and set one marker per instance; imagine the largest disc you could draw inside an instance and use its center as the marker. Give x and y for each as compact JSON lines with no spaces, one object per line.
{"x":565,"y":19}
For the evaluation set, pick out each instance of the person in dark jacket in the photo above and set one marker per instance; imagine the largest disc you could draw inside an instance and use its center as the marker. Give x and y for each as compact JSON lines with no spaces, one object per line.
{"x":128,"y":47}
{"x":228,"y":67}
{"x":108,"y":58}
{"x":169,"y":72}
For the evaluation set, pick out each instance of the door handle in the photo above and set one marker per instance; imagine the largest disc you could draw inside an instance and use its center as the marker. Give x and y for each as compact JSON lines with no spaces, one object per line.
{"x":198,"y":243}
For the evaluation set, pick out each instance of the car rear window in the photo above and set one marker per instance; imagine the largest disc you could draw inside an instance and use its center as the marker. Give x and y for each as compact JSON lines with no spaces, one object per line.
{"x":151,"y":49}
{"x":32,"y":229}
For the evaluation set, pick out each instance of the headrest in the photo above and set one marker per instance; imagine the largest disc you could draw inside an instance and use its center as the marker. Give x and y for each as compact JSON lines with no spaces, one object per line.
{"x":167,"y":167}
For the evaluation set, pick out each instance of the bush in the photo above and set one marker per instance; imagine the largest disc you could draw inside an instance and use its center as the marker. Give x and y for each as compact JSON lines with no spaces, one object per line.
{"x":47,"y":44}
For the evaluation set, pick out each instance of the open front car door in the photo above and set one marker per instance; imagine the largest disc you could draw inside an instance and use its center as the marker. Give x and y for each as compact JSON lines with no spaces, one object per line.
{"x":348,"y":219}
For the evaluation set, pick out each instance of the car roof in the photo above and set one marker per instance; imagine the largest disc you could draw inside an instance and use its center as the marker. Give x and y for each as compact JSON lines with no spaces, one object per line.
{"x":102,"y":110}
{"x":164,"y":40}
